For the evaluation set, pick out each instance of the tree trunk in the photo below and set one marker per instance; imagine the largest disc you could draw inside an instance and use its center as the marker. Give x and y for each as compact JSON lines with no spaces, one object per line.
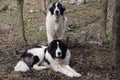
{"x":44,"y":6}
{"x":21,"y":27}
{"x":116,"y":35}
{"x":104,"y":21}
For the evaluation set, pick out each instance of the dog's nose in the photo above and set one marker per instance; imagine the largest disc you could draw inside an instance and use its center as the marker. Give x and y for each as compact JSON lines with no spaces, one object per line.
{"x":59,"y":53}
{"x":57,"y":12}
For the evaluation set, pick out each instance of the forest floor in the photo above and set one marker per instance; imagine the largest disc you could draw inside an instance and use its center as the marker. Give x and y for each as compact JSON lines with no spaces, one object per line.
{"x":90,"y":56}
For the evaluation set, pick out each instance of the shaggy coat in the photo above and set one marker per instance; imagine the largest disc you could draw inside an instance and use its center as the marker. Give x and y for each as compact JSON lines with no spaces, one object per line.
{"x":55,"y":22}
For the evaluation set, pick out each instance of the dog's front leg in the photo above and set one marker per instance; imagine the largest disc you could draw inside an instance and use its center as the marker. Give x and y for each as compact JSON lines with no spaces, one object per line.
{"x":59,"y":68}
{"x":76,"y":74}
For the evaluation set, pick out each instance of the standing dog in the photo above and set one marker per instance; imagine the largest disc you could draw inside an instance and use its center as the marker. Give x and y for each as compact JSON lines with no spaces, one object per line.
{"x":55,"y":21}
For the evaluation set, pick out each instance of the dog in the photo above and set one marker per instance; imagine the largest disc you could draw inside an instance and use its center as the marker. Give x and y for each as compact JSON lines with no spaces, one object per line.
{"x":58,"y":56}
{"x":55,"y":21}
{"x":55,"y":56}
{"x":32,"y":58}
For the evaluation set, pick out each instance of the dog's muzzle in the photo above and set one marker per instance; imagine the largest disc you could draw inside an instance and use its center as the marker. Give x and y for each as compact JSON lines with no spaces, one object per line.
{"x":59,"y":54}
{"x":57,"y":14}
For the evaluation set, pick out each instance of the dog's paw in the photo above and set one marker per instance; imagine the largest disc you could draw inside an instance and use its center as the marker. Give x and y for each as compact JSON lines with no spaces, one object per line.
{"x":70,"y":74}
{"x":77,"y":75}
{"x":21,"y":66}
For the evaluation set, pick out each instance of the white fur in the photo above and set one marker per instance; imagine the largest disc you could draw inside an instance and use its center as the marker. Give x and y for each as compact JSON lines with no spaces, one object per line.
{"x":75,"y":74}
{"x":56,"y":8}
{"x":58,"y":50}
{"x":21,"y":66}
{"x":55,"y":28}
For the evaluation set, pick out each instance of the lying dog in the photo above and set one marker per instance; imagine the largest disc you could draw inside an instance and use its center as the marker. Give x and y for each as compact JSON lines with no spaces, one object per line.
{"x":55,"y":21}
{"x":55,"y":56}
{"x":58,"y":55}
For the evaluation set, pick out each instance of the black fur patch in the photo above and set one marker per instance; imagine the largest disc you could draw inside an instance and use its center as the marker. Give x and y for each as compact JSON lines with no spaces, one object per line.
{"x":53,"y":46}
{"x":29,"y":59}
{"x":35,"y":60}
{"x":52,"y":8}
{"x":61,"y":7}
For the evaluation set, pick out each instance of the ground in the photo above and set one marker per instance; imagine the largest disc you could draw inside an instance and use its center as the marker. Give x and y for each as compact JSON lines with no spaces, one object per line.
{"x":90,"y":57}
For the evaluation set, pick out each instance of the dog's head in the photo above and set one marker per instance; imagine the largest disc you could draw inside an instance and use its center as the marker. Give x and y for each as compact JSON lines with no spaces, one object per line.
{"x":56,"y":9}
{"x":57,"y":49}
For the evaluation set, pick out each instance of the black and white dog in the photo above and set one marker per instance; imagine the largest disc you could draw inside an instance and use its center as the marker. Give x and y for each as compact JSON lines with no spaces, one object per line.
{"x":55,"y":56}
{"x":55,"y":21}
{"x":58,"y":55}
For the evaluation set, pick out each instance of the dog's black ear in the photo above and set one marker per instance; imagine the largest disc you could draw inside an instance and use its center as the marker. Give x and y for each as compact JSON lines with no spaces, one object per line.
{"x":52,"y":45}
{"x":63,"y":8}
{"x":52,"y":48}
{"x":49,"y":48}
{"x":51,"y":7}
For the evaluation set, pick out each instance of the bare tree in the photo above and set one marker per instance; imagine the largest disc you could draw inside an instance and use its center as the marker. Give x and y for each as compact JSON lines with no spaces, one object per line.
{"x":116,"y":35}
{"x":44,"y":6}
{"x":21,"y":21}
{"x":104,"y":20}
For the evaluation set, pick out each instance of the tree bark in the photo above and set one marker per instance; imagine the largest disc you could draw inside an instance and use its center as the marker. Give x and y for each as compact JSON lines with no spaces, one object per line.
{"x":116,"y":34}
{"x":104,"y":20}
{"x":21,"y":22}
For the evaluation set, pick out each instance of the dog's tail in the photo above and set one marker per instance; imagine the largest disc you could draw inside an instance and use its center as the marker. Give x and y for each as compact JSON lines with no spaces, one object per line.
{"x":21,"y":66}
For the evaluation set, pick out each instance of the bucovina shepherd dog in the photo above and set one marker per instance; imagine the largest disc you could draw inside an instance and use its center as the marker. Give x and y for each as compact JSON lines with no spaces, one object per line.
{"x":55,"y":56}
{"x":55,"y":21}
